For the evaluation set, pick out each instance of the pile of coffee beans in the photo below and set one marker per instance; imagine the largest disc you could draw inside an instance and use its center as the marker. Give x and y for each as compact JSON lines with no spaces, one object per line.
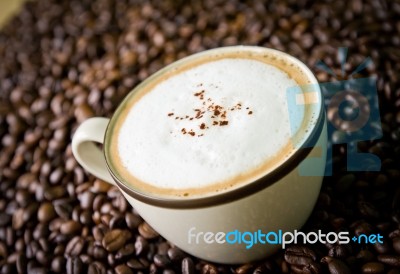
{"x":62,"y":62}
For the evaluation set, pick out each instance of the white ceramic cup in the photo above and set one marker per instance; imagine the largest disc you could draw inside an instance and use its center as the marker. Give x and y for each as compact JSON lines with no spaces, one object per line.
{"x":281,"y":200}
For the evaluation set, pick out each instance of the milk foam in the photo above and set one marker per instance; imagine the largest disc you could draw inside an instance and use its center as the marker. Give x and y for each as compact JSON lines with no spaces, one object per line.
{"x":154,"y":144}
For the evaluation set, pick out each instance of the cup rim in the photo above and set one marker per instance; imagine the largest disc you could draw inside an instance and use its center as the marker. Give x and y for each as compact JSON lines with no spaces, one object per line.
{"x":239,"y":192}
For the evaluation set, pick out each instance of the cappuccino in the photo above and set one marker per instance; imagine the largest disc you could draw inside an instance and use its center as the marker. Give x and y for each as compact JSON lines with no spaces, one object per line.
{"x":207,"y":125}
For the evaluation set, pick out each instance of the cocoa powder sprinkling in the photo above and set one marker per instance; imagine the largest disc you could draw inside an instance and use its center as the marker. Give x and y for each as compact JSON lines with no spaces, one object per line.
{"x":210,"y":113}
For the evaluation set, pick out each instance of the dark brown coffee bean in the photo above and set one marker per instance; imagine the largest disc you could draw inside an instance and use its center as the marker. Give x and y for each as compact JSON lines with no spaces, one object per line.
{"x":100,"y":186}
{"x":141,"y":245}
{"x":23,"y":197}
{"x":373,"y":267}
{"x":137,"y":263}
{"x":58,"y":264}
{"x":100,"y":253}
{"x":312,"y":268}
{"x":86,"y":259}
{"x":96,"y":268}
{"x":117,"y":221}
{"x":391,"y":260}
{"x":345,"y":182}
{"x":115,"y":239}
{"x":55,"y":192}
{"x":368,"y":210}
{"x":147,"y":231}
{"x":365,"y":255}
{"x":42,"y":257}
{"x":98,"y":232}
{"x":335,"y":265}
{"x":132,"y":221}
{"x":188,"y":266}
{"x":4,"y":219}
{"x":86,"y":217}
{"x":209,"y":269}
{"x":339,"y":251}
{"x":123,"y":269}
{"x":86,"y":199}
{"x":246,"y":268}
{"x":38,"y":270}
{"x":63,"y":208}
{"x":56,"y":175}
{"x":70,"y":227}
{"x":299,"y":255}
{"x":75,"y":246}
{"x":396,"y":244}
{"x":126,"y":251}
{"x":111,"y":259}
{"x":46,"y":212}
{"x":382,"y":248}
{"x":161,"y":260}
{"x":83,"y":112}
{"x":22,"y":264}
{"x":18,"y":219}
{"x":74,"y":265}
{"x":175,"y":254}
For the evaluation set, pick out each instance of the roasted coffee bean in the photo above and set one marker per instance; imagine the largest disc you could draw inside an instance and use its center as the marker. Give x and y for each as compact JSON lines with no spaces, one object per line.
{"x":339,"y":251}
{"x":100,"y":186}
{"x":42,"y":257}
{"x":86,"y":217}
{"x":55,"y":192}
{"x":209,"y":269}
{"x":70,"y":227}
{"x":75,"y":246}
{"x":161,"y":260}
{"x":23,"y":197}
{"x":38,"y":270}
{"x":22,"y":264}
{"x":86,"y":199}
{"x":299,"y":255}
{"x":175,"y":254}
{"x":132,"y":221}
{"x":368,"y":210}
{"x":382,"y":248}
{"x":74,"y":265}
{"x":312,"y":268}
{"x":123,"y":269}
{"x":18,"y":219}
{"x":138,"y":263}
{"x":96,"y":268}
{"x":147,"y":231}
{"x":335,"y":265}
{"x":46,"y":212}
{"x":63,"y":208}
{"x":111,"y":259}
{"x":58,"y":264}
{"x":373,"y":267}
{"x":246,"y":268}
{"x":117,"y":221}
{"x":100,"y":253}
{"x":127,"y":250}
{"x":115,"y":239}
{"x":392,"y":260}
{"x":365,"y":255}
{"x":4,"y":219}
{"x":141,"y":245}
{"x":188,"y":266}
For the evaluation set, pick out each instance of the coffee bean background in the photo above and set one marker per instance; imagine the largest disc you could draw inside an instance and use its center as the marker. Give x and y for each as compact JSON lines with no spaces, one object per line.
{"x":62,"y":62}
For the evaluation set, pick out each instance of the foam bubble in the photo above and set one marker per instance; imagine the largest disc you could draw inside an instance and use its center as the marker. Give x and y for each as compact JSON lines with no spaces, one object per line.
{"x":156,"y":144}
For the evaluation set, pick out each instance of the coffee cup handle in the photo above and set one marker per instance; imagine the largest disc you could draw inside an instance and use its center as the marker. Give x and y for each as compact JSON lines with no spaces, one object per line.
{"x":86,"y":152}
